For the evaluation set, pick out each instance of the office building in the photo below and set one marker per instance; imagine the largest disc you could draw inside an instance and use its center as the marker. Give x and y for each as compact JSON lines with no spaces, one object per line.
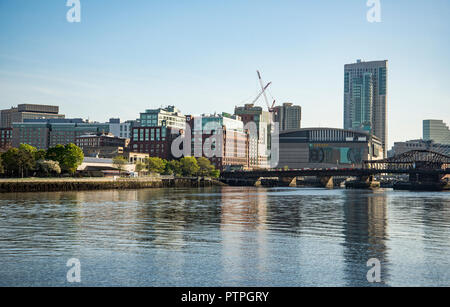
{"x":365,"y":98}
{"x":121,"y":129}
{"x":167,"y":117}
{"x":289,"y":116}
{"x":260,"y":153}
{"x":225,"y":138}
{"x":436,"y":130}
{"x":5,"y":138}
{"x":45,"y":133}
{"x":156,"y":130}
{"x":327,"y":148}
{"x":28,"y":111}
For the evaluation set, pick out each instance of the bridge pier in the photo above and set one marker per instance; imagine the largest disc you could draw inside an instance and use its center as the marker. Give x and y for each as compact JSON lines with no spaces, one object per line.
{"x":288,"y":181}
{"x":363,"y":182}
{"x":327,"y":182}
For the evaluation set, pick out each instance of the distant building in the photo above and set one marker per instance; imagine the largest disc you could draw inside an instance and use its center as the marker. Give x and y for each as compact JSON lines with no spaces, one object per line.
{"x":5,"y":138}
{"x":45,"y":133}
{"x":28,"y":111}
{"x":229,"y":151}
{"x":167,"y":117}
{"x":103,"y":145}
{"x":327,"y":148}
{"x":121,"y":129}
{"x":259,"y":154}
{"x":156,"y":130}
{"x":402,"y":147}
{"x":288,"y":116}
{"x":436,"y":130}
{"x":365,"y":98}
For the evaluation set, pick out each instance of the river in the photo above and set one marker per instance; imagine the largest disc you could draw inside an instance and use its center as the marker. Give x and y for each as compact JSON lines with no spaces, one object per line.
{"x":225,"y":236}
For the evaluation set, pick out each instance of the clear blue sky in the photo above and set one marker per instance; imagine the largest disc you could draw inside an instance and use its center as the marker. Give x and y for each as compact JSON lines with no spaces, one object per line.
{"x":201,"y":55}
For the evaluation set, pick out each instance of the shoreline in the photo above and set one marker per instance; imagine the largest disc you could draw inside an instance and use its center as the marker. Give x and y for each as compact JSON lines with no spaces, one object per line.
{"x":89,"y":184}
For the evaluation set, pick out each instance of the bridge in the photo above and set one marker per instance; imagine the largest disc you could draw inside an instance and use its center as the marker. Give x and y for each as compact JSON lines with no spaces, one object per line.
{"x":422,"y":166}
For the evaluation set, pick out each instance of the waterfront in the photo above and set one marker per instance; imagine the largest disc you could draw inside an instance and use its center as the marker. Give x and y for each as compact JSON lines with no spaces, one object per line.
{"x":225,"y":236}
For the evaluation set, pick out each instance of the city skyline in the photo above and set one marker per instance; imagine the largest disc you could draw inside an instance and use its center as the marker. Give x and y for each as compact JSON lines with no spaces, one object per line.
{"x":196,"y":57}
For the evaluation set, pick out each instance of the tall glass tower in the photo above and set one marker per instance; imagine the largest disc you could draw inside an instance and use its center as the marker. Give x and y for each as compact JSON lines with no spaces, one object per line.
{"x":365,"y":98}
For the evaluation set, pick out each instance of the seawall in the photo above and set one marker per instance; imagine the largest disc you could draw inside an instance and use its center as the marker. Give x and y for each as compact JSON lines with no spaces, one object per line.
{"x":84,"y":184}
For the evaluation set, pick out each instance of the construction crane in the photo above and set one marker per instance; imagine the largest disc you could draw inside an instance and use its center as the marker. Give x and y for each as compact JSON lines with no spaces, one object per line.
{"x":261,"y":93}
{"x":269,"y":107}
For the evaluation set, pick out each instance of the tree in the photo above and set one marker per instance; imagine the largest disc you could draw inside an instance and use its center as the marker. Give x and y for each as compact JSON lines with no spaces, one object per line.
{"x":69,"y":157}
{"x":10,"y":162}
{"x":25,"y":158}
{"x":48,"y":167}
{"x":173,"y":168}
{"x":140,"y":166}
{"x":119,"y":162}
{"x":40,"y":155}
{"x":73,"y":157}
{"x":156,"y":165}
{"x":189,"y":166}
{"x":56,"y":153}
{"x":205,"y":167}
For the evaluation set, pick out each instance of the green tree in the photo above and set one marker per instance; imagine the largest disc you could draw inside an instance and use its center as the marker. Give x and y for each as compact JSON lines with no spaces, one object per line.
{"x":48,"y":167}
{"x":189,"y":166}
{"x":10,"y":164}
{"x":156,"y":165}
{"x":119,"y":162}
{"x":69,"y":157}
{"x":73,"y":157}
{"x":25,"y":159}
{"x":205,"y":167}
{"x":140,"y":166}
{"x":215,"y":173}
{"x":40,"y":155}
{"x":173,"y":167}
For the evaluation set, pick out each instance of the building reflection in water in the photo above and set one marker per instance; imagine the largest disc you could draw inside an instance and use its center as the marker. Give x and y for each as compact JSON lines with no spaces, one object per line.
{"x":243,"y":230}
{"x":365,"y":235}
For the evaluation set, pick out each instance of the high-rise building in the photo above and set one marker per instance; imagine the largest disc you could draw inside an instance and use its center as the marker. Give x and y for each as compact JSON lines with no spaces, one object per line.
{"x":28,"y":111}
{"x":436,"y":130}
{"x":259,"y":154}
{"x":289,"y":116}
{"x":365,"y":98}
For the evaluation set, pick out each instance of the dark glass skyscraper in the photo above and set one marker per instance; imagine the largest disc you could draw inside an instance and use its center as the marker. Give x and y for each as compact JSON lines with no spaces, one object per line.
{"x":365,"y":98}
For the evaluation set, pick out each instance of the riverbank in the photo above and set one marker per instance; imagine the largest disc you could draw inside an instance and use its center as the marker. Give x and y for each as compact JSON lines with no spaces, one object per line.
{"x":86,"y":184}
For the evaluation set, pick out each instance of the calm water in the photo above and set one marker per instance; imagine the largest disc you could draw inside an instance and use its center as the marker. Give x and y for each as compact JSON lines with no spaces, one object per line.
{"x":225,"y":237}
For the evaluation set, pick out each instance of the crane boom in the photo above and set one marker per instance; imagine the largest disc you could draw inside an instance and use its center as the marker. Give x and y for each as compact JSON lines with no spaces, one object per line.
{"x":262,"y":92}
{"x":262,"y":87}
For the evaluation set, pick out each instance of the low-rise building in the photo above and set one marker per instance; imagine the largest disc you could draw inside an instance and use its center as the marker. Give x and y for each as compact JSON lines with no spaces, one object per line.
{"x":327,"y":148}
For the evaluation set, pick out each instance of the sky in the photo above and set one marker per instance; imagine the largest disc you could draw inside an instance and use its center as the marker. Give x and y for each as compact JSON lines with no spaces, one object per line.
{"x":202,"y":55}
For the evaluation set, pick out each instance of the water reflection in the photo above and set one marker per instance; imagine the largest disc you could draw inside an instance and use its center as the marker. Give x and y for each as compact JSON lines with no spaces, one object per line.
{"x":226,"y":236}
{"x":365,"y":233}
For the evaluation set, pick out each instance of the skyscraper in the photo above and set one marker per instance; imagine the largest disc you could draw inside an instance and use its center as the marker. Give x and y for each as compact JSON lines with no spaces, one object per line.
{"x":436,"y":130}
{"x":288,"y":116}
{"x":365,"y":98}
